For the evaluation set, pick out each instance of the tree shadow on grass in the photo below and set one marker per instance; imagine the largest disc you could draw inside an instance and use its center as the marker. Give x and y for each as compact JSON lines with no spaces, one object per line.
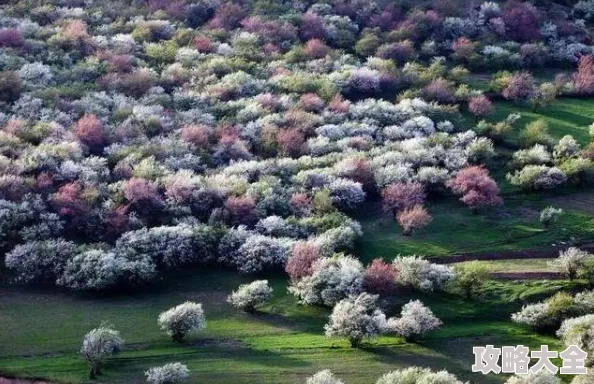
{"x":423,"y":355}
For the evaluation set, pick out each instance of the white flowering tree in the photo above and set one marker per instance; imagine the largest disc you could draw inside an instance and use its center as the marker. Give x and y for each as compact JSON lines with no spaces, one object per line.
{"x":415,"y":321}
{"x":171,"y":373}
{"x":184,"y":319}
{"x":579,"y":331}
{"x":550,"y":215}
{"x":99,"y":344}
{"x":356,"y":318}
{"x":332,"y":279}
{"x":248,"y":296}
{"x":542,"y":377}
{"x":323,"y":377}
{"x":416,"y":272}
{"x":418,"y":375}
{"x":571,"y":260}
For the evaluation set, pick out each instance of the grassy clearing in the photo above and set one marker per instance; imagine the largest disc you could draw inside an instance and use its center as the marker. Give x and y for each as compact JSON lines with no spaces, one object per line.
{"x":284,"y":342}
{"x":567,"y":116}
{"x":455,"y":230}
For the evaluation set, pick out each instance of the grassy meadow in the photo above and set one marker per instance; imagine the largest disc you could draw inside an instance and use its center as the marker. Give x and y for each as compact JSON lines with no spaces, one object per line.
{"x":284,"y":342}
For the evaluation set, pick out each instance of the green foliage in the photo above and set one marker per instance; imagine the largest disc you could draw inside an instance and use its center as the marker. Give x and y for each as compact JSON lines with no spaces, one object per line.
{"x":470,"y":277}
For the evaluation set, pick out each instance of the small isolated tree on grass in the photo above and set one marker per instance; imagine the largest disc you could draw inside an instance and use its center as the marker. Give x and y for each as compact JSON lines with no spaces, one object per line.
{"x":550,"y":215}
{"x":415,"y":321}
{"x":186,"y":318}
{"x":470,"y":277}
{"x":412,"y":219}
{"x":171,"y":373}
{"x":248,"y":296}
{"x":323,"y":377}
{"x":99,"y":344}
{"x":356,"y":318}
{"x":571,"y":261}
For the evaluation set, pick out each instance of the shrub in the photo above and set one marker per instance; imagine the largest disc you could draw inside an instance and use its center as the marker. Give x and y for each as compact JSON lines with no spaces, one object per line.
{"x":470,"y":277}
{"x":399,"y":196}
{"x":98,"y":270}
{"x":11,"y":38}
{"x":380,"y":277}
{"x":178,"y":322}
{"x":323,"y":377}
{"x":242,"y":209}
{"x":172,"y":246}
{"x":197,"y":134}
{"x":171,"y":373}
{"x":566,"y":147}
{"x":10,"y":86}
{"x":414,"y":375}
{"x":99,"y":344}
{"x":248,"y":296}
{"x":300,"y":263}
{"x":542,"y":377}
{"x":89,"y":130}
{"x":550,"y":215}
{"x":346,"y":194}
{"x":356,"y":318}
{"x":332,"y":280}
{"x":571,"y":260}
{"x":537,"y":177}
{"x":521,"y":21}
{"x":583,"y":78}
{"x":579,"y":331}
{"x":476,"y":187}
{"x":520,"y":87}
{"x":40,"y":261}
{"x":412,"y":219}
{"x":415,"y":321}
{"x":548,"y":315}
{"x":416,"y":272}
{"x":258,"y":253}
{"x":480,"y":106}
{"x":315,"y":49}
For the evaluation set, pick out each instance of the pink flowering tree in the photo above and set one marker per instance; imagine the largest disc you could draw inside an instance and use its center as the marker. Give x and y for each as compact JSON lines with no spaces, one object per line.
{"x":399,"y":196}
{"x":301,"y":260}
{"x":412,"y":219}
{"x":476,"y":187}
{"x":583,"y":78}
{"x":242,"y":209}
{"x":480,"y":106}
{"x":380,"y":277}
{"x":89,"y":131}
{"x":520,"y":87}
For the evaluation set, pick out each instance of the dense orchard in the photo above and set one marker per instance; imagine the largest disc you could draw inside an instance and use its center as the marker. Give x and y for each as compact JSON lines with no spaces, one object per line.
{"x":140,"y":137}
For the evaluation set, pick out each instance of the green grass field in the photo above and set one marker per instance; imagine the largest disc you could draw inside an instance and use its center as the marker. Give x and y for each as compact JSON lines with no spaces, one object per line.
{"x":42,"y":331}
{"x":567,"y":116}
